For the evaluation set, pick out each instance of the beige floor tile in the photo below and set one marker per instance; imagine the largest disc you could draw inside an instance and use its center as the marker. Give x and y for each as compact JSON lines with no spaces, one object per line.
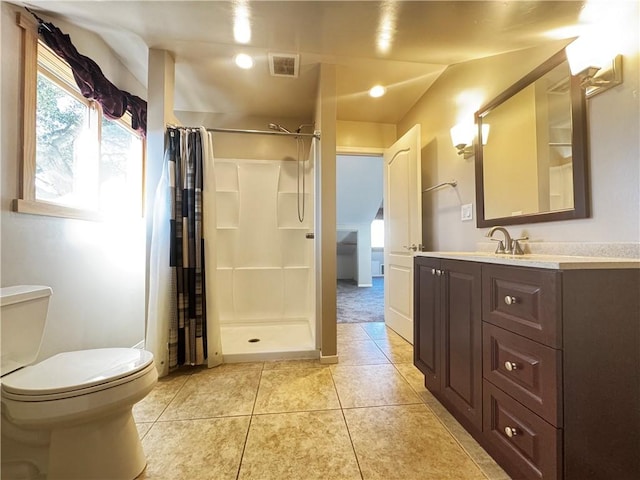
{"x":392,"y":338}
{"x":295,"y":390}
{"x":151,"y":407}
{"x":360,"y":352}
{"x":195,"y":449}
{"x":143,"y":428}
{"x":379,"y":331}
{"x":493,"y":471}
{"x":371,"y":385}
{"x":299,"y":446}
{"x":375,"y":329}
{"x":283,"y":364}
{"x":396,"y":352}
{"x":215,"y":393}
{"x":412,"y":375}
{"x":350,"y":332}
{"x":430,"y":401}
{"x":406,"y":442}
{"x":226,"y":367}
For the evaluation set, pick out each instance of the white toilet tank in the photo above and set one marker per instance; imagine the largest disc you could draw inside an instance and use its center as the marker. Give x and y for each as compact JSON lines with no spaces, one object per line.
{"x":22,"y":317}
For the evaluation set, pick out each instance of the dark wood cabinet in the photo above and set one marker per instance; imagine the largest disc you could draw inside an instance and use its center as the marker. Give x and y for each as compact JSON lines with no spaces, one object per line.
{"x":448,"y":335}
{"x":427,"y":322}
{"x":542,"y":366}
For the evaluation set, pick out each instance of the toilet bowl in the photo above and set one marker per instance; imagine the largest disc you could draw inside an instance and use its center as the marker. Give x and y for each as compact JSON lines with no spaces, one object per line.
{"x":70,"y":415}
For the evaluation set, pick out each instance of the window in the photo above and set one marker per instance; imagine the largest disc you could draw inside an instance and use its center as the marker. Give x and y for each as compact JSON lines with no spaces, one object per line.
{"x":77,"y":163}
{"x":377,"y":234}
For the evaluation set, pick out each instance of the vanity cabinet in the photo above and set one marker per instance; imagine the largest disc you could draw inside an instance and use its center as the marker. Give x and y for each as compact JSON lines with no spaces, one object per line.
{"x":448,"y":337}
{"x":559,"y":378}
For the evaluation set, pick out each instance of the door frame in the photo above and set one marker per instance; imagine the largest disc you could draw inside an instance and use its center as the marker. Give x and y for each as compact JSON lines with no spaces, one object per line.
{"x":359,"y":151}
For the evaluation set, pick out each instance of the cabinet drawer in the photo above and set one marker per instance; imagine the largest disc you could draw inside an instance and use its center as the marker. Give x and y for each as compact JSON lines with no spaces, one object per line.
{"x":528,"y":371}
{"x":534,"y":448}
{"x":523,"y":300}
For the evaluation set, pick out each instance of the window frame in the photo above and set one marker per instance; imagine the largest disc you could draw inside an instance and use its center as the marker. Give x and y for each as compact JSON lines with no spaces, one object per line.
{"x":26,"y":201}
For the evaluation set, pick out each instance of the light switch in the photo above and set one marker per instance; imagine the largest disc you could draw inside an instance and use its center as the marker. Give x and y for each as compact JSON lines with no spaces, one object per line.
{"x":466,"y":212}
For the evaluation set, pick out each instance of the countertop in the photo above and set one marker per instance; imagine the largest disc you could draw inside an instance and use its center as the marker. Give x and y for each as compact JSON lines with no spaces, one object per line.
{"x":553,"y":262}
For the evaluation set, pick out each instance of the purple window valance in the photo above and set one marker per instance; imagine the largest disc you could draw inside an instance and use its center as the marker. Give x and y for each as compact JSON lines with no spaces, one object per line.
{"x":91,"y":81}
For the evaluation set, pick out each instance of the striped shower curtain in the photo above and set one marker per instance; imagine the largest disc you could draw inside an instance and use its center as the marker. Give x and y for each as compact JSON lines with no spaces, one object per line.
{"x":187,"y":326}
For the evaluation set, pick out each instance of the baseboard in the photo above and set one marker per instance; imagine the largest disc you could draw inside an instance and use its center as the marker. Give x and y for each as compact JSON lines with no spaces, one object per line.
{"x":328,"y":359}
{"x":269,"y":356}
{"x":365,"y":285}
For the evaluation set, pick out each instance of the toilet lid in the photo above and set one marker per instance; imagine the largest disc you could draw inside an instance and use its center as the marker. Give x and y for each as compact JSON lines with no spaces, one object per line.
{"x":69,"y":371}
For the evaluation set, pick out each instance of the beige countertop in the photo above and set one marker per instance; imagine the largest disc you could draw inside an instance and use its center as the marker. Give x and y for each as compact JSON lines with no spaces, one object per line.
{"x":554,"y":262}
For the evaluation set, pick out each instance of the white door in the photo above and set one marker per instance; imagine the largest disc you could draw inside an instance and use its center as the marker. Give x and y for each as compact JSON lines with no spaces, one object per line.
{"x":402,"y":229}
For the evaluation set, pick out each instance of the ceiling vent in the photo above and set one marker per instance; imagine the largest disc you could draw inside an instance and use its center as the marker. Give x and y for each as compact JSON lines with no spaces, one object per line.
{"x":284,"y":64}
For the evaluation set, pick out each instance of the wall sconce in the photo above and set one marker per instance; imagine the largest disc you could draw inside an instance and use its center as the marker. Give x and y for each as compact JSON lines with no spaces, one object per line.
{"x":596,"y":80}
{"x":462,"y":136}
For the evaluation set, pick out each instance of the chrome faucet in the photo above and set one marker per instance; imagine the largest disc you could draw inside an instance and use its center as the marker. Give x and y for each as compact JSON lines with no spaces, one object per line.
{"x":509,"y":246}
{"x":502,"y":246}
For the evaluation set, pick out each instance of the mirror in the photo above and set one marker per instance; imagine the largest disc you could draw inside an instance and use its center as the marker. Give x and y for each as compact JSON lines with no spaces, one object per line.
{"x":534,"y":165}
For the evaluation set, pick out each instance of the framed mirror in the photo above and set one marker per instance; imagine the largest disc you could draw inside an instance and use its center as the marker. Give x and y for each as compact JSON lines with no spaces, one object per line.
{"x":533,"y":167}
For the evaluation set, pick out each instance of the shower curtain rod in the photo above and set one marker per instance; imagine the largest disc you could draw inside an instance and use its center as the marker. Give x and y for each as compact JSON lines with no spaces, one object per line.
{"x":254,"y":132}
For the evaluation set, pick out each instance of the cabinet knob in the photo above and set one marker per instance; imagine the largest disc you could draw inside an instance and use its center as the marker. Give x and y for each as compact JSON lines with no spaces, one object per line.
{"x":439,"y":272}
{"x":509,"y":300}
{"x":510,"y":366}
{"x":433,"y":271}
{"x":511,"y":431}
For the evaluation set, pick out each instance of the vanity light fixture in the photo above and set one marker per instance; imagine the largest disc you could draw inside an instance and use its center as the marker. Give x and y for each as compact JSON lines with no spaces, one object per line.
{"x":244,"y":61}
{"x":596,"y":80}
{"x":377,"y":91}
{"x":462,"y":136}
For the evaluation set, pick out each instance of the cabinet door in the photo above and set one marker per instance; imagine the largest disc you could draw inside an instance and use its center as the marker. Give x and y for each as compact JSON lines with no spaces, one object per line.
{"x":426,"y":324}
{"x":461,"y":378}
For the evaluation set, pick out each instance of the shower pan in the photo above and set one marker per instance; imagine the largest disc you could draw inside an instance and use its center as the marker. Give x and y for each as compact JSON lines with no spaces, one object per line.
{"x":265,"y":278}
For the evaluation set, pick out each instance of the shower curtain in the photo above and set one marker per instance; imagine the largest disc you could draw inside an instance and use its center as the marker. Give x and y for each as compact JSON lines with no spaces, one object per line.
{"x":183,"y":327}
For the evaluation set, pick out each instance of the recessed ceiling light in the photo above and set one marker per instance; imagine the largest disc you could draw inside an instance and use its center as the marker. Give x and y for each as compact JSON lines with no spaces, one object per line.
{"x":377,"y":91}
{"x":244,"y":61}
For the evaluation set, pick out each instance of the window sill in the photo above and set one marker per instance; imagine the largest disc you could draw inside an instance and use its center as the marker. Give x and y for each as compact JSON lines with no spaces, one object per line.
{"x":54,"y":210}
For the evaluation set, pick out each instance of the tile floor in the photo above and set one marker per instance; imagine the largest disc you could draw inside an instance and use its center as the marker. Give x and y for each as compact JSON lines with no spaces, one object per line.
{"x":368,"y":417}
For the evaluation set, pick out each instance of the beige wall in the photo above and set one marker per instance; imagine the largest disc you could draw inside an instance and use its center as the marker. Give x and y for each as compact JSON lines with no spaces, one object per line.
{"x":96,"y":269}
{"x":326,"y":108}
{"x":259,"y":147}
{"x":614,"y":166}
{"x":364,"y":135}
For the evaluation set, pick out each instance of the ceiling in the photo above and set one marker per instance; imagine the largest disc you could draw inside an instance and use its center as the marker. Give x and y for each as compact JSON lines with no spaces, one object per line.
{"x":425,"y":38}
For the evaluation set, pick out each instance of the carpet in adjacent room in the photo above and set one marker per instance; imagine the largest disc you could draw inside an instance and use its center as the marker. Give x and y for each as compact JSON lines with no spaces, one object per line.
{"x":360,"y":304}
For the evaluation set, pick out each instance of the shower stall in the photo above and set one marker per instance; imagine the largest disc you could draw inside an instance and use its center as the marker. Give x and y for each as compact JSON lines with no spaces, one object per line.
{"x":265,"y":250}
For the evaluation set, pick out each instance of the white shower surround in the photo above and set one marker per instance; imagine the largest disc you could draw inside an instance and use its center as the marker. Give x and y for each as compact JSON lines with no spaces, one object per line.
{"x":265,"y":282}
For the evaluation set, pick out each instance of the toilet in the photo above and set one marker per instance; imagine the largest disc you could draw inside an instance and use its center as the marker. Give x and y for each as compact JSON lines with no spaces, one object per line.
{"x":69,"y":416}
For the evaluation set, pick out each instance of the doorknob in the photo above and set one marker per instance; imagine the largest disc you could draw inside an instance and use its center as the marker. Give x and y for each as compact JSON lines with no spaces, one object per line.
{"x":413,"y":247}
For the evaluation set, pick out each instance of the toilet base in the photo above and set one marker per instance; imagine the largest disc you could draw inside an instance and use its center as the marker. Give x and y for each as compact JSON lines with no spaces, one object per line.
{"x":106,"y":449}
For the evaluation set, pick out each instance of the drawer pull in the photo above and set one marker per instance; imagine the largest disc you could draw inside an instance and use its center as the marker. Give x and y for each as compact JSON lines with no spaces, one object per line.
{"x":511,"y":431}
{"x":509,"y":300}
{"x":510,"y":366}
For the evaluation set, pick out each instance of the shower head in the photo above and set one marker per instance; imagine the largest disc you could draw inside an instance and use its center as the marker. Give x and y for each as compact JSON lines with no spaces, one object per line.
{"x":279,"y":128}
{"x":303,"y":126}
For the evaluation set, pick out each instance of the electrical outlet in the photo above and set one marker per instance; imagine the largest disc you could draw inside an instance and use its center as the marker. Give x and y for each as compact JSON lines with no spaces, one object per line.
{"x":466,"y":212}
